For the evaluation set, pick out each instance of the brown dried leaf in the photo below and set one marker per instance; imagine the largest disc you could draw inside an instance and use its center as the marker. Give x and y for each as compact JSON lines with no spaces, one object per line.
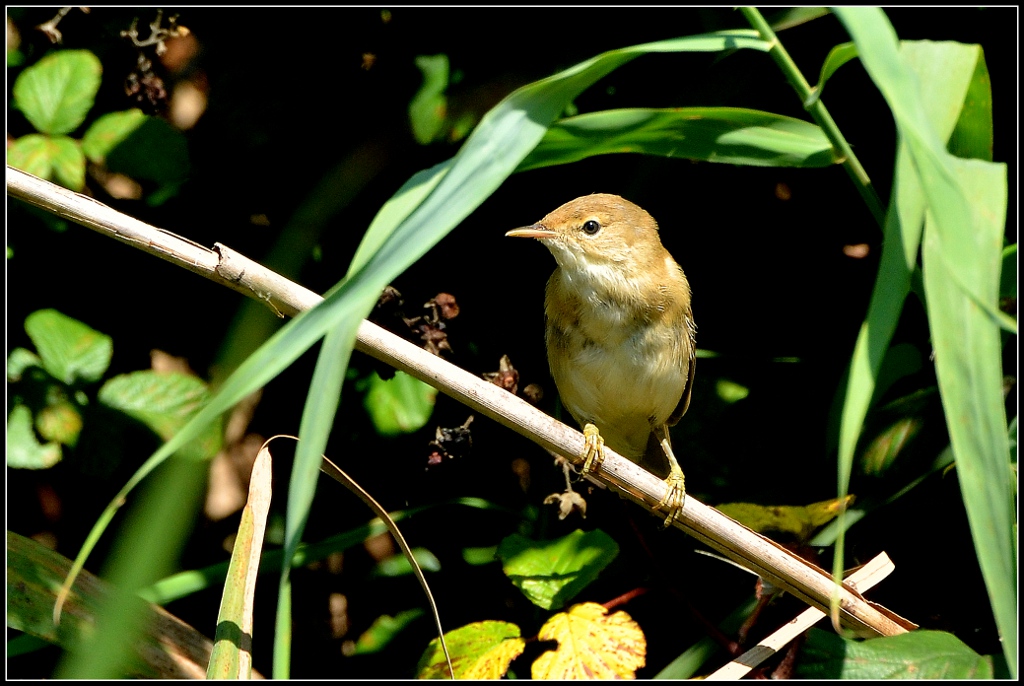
{"x":568,"y":502}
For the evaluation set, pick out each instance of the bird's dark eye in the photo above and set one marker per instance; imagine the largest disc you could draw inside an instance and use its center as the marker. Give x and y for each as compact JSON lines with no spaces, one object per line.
{"x":591,"y":226}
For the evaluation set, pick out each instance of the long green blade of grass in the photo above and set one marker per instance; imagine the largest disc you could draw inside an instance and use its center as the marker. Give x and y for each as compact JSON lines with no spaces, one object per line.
{"x":730,"y":135}
{"x":946,"y":72}
{"x":966,"y":205}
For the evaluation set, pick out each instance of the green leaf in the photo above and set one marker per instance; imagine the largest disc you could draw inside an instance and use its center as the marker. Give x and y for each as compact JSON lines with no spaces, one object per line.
{"x":551,"y":573}
{"x":54,"y":158}
{"x":798,"y":520}
{"x":401,"y":404}
{"x":383,"y":630}
{"x":428,"y":108}
{"x":895,"y":428}
{"x":70,"y":350}
{"x":837,"y":57}
{"x":482,"y":650}
{"x":954,"y":79}
{"x":479,"y":556}
{"x":715,"y":134}
{"x":730,"y":391}
{"x":903,"y":227}
{"x":957,"y":92}
{"x":399,"y":565}
{"x":109,"y":131}
{"x":919,"y":654}
{"x":68,"y":163}
{"x":411,"y":194}
{"x":18,"y":361}
{"x":787,"y":19}
{"x":33,"y":154}
{"x":968,"y":355}
{"x":58,"y":91}
{"x":24,"y":451}
{"x":154,"y":151}
{"x":163,"y":402}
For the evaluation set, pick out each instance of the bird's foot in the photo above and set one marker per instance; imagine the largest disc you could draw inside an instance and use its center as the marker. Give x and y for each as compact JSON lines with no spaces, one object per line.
{"x":674,"y":498}
{"x":593,"y":452}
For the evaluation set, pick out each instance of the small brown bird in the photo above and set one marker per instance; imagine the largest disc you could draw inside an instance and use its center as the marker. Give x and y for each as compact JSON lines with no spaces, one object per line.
{"x":619,"y":331}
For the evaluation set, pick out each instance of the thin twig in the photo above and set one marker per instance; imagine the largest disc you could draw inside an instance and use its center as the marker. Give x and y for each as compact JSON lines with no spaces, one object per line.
{"x":50,"y":27}
{"x":158,"y":35}
{"x":332,"y":470}
{"x":770,"y":561}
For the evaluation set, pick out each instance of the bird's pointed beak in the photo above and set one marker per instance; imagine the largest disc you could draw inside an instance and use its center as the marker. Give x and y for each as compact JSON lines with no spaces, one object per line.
{"x":534,"y":231}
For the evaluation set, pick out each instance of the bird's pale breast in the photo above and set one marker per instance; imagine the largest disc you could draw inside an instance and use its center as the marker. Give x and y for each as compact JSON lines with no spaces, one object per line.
{"x":619,"y":363}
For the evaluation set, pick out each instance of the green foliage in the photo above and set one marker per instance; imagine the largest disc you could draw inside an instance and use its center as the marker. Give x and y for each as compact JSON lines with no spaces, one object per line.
{"x":917,"y":655}
{"x":24,"y":451}
{"x":70,"y":350}
{"x":837,"y":57}
{"x":49,"y":392}
{"x":428,"y":108}
{"x":383,"y":630}
{"x":70,"y":354}
{"x":551,"y":573}
{"x":926,"y":86}
{"x":400,"y":566}
{"x":151,"y":150}
{"x":56,"y":95}
{"x":401,"y":404}
{"x":110,"y":131}
{"x":19,"y":362}
{"x":730,"y":391}
{"x":164,"y":403}
{"x":470,"y":646}
{"x":796,"y":522}
{"x":479,"y":556}
{"x":58,"y":91}
{"x":714,"y":134}
{"x":49,"y":157}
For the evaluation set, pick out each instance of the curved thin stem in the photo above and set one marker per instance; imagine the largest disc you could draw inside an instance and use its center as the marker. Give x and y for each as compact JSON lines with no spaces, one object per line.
{"x":844,"y":153}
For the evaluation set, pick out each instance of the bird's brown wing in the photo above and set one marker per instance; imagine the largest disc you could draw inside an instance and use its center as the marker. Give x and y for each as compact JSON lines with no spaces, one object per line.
{"x":684,"y":401}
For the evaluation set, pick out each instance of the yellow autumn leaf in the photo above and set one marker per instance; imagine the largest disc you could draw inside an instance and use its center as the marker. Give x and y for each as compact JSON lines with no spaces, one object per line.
{"x":493,"y":663}
{"x":482,"y":650}
{"x":591,"y":645}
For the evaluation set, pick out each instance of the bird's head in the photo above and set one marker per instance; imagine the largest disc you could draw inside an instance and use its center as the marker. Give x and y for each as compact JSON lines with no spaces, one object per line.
{"x":598,"y":231}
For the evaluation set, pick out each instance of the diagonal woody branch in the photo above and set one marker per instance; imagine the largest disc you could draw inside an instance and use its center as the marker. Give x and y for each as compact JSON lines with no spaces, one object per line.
{"x":229,"y":268}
